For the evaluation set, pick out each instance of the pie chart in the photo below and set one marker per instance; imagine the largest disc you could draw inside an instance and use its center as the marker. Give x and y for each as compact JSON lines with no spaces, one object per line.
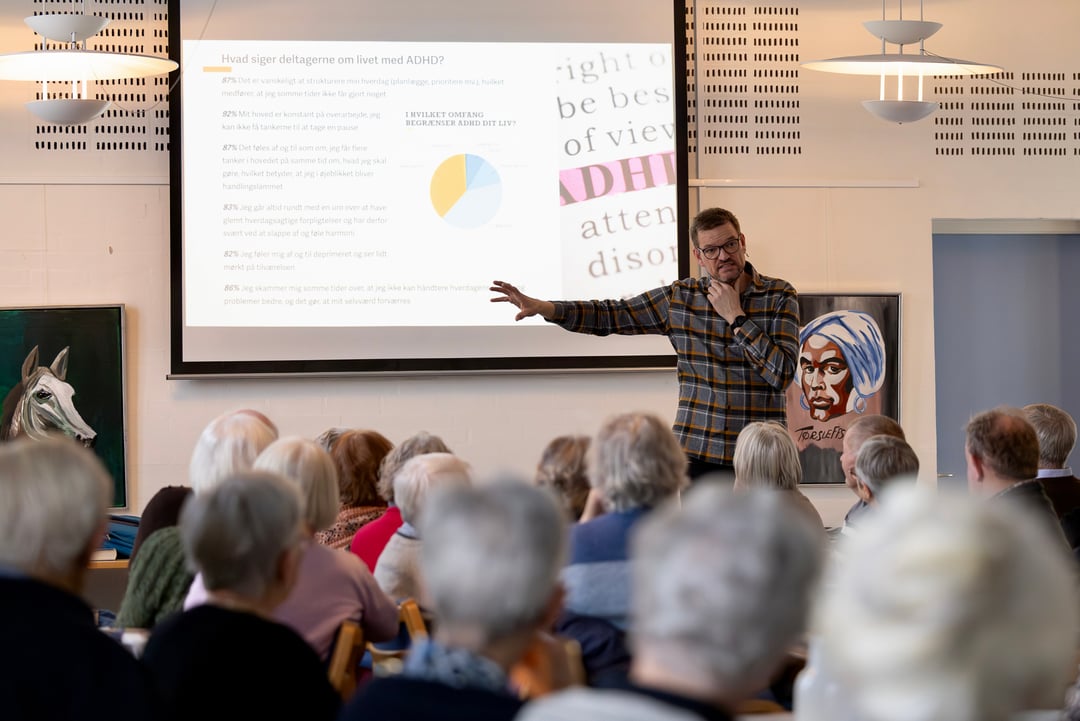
{"x":466,"y":191}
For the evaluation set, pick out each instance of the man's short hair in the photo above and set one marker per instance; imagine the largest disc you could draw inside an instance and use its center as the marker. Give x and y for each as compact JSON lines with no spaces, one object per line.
{"x":54,"y":496}
{"x":948,"y":609}
{"x":1056,"y":431}
{"x":722,"y":582}
{"x":873,"y":425}
{"x":491,"y":555}
{"x":1005,"y":442}
{"x":235,"y":533}
{"x":636,"y":462}
{"x":712,"y":218}
{"x":766,"y":457}
{"x":884,"y":459}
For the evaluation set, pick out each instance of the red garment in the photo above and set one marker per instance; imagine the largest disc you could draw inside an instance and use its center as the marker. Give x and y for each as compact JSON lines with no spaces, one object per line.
{"x":371,"y":539}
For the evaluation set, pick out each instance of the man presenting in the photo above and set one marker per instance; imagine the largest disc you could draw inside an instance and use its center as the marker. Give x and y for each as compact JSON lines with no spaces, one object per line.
{"x":735,"y":334}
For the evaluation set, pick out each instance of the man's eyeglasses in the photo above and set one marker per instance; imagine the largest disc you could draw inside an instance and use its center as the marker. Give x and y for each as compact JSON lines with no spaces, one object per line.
{"x":712,"y":252}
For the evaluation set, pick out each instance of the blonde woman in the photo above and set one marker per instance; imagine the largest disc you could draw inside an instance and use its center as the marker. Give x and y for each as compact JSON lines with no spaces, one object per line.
{"x":766,"y":457}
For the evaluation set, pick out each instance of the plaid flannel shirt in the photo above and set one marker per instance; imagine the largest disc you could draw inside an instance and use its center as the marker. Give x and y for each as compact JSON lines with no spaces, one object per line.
{"x":726,"y":379}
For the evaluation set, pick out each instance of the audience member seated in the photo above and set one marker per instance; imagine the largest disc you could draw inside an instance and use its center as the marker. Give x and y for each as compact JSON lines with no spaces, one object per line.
{"x":163,"y":511}
{"x":947,"y":609}
{"x":1056,"y":432}
{"x":371,"y":539}
{"x":398,"y":568}
{"x":54,"y":496}
{"x":635,"y":464}
{"x":882,"y":462}
{"x":159,"y":578}
{"x":766,"y":457}
{"x":226,"y":659}
{"x":1002,"y":454}
{"x":861,"y":429}
{"x":563,"y":468}
{"x":721,"y":588}
{"x":490,"y":560}
{"x":357,"y":455}
{"x":331,"y":587}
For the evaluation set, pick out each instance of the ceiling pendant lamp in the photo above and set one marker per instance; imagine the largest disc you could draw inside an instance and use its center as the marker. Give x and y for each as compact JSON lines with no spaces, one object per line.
{"x":914,"y":66}
{"x":67,"y":70}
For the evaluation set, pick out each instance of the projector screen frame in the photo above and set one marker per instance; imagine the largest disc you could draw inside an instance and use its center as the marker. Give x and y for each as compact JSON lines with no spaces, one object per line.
{"x":180,"y":368}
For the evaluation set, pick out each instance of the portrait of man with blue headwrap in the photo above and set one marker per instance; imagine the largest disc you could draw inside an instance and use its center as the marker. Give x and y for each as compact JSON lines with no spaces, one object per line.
{"x":846,"y":368}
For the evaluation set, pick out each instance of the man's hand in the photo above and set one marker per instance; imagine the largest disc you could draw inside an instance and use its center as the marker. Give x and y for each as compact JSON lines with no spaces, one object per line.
{"x":725,"y":300}
{"x":528,"y":306}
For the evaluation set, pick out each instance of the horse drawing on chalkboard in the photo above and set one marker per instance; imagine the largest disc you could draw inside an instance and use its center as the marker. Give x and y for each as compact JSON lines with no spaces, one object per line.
{"x":41,"y":403}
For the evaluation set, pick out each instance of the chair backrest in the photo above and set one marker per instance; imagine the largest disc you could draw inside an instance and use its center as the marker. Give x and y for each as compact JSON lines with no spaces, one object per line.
{"x":551,"y":663}
{"x":410,"y":615}
{"x":345,"y":659}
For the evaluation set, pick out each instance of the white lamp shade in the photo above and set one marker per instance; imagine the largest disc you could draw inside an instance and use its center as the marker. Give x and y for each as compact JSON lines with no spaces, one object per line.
{"x":900,"y":64}
{"x":65,"y":28}
{"x":61,"y":65}
{"x":902,"y":32}
{"x":900,"y":111}
{"x":64,"y":111}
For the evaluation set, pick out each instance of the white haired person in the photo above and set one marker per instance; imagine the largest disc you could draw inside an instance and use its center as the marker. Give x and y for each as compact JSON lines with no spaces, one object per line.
{"x":226,"y":659}
{"x":882,"y":462}
{"x":766,"y":458}
{"x":948,"y":609}
{"x":721,"y":589}
{"x":54,"y":497}
{"x":398,"y":568}
{"x":635,"y":464}
{"x":159,"y":577}
{"x":490,"y":561}
{"x":331,"y":586}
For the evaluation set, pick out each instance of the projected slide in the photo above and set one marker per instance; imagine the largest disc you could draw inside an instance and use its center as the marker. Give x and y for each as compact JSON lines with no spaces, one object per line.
{"x":382,"y":184}
{"x":466,"y":191}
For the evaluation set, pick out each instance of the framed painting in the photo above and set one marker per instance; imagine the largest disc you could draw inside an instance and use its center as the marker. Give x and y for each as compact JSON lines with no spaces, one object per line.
{"x":62,"y":370}
{"x":848,"y":366}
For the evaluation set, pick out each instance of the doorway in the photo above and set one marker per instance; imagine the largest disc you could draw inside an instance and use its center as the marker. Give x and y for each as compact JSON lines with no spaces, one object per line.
{"x":1006,"y":299}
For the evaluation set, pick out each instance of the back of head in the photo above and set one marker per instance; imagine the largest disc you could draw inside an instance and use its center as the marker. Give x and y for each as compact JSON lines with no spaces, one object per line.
{"x":306,"y":464}
{"x":54,"y":496}
{"x":873,"y":425}
{"x":884,"y":459}
{"x":766,"y":457}
{"x":227,"y":445}
{"x":423,"y":473}
{"x":721,"y":585}
{"x":948,"y":609}
{"x":563,"y":469}
{"x":491,"y":556}
{"x":358,"y":455}
{"x":1005,"y":443}
{"x":1056,"y":431}
{"x":422,"y":442}
{"x":636,"y":462}
{"x":235,"y":534}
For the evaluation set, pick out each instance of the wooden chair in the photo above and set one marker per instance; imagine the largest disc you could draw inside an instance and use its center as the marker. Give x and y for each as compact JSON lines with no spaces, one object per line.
{"x":551,"y":663}
{"x":387,"y":662}
{"x":345,"y":660}
{"x":409,"y":614}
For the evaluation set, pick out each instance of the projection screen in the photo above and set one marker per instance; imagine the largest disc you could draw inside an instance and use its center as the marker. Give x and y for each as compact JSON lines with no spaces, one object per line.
{"x":348,"y":177}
